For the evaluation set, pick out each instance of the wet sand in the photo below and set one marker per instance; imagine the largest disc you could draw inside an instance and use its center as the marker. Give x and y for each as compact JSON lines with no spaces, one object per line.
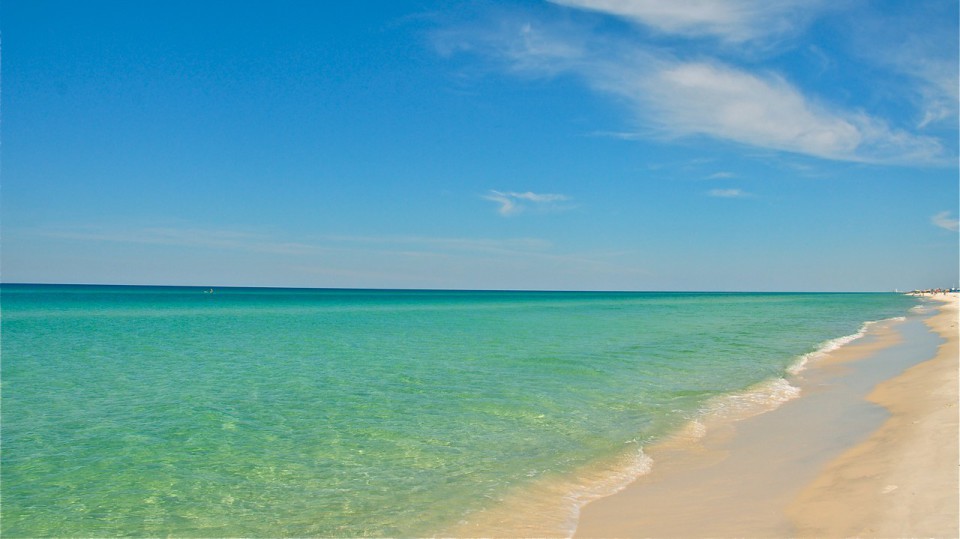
{"x":832,"y":463}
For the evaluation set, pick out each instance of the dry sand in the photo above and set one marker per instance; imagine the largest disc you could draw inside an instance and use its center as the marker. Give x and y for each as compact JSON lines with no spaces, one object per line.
{"x":828,"y":464}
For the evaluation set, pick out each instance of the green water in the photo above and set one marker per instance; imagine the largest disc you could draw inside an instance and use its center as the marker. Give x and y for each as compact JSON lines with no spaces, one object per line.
{"x":154,"y":411}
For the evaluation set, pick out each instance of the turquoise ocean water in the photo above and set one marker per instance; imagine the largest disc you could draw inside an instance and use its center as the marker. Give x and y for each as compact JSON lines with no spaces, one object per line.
{"x":155,"y":411}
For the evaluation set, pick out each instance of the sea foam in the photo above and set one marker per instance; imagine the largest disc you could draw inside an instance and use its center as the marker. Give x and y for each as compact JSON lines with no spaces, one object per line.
{"x":834,"y":344}
{"x":763,"y":397}
{"x":827,"y":347}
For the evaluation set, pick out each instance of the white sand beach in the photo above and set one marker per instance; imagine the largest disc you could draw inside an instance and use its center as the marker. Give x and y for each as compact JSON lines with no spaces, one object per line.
{"x":902,"y":481}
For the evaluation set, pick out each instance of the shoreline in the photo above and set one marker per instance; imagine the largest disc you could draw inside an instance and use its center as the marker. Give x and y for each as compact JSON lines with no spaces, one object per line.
{"x":743,"y":476}
{"x":903,"y":478}
{"x":559,"y":501}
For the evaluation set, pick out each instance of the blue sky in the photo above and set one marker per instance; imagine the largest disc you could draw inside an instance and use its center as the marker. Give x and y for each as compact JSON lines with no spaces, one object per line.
{"x":574,"y":144}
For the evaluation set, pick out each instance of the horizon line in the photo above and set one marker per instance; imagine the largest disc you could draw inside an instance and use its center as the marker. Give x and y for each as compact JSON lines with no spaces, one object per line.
{"x":391,"y":289}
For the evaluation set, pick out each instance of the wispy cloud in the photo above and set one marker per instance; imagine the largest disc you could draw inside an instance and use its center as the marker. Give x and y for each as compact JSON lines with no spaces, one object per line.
{"x":672,"y":97}
{"x":189,"y":237}
{"x":491,"y":245}
{"x":919,"y":42}
{"x":764,"y":110}
{"x":404,"y":261}
{"x":622,"y":135}
{"x":512,"y":203}
{"x":721,"y":176}
{"x":944,"y":221}
{"x":729,"y":20}
{"x":193,"y":237}
{"x":767,"y":111}
{"x":728,"y":193}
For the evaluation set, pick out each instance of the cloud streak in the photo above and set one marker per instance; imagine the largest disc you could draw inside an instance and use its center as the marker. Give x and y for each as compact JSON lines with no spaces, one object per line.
{"x":188,"y":237}
{"x":398,"y":261}
{"x":728,"y":193}
{"x":203,"y":238}
{"x":734,"y":21}
{"x":512,"y":203}
{"x":944,"y":221}
{"x":489,"y":245}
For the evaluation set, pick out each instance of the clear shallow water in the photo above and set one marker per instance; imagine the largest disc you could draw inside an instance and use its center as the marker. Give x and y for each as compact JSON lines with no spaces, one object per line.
{"x":267,"y":412}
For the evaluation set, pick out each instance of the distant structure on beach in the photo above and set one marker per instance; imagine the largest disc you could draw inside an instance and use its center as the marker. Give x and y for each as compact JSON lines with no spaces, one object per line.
{"x":934,"y":291}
